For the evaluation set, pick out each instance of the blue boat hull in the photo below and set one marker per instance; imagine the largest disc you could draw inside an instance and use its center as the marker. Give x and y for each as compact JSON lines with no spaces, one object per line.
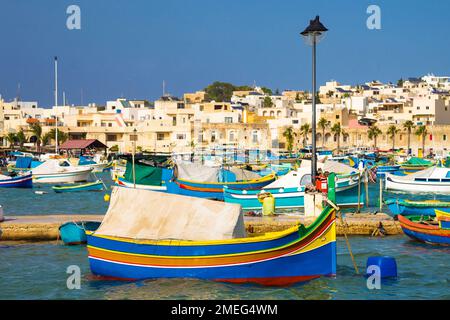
{"x":399,"y":208}
{"x":93,"y":187}
{"x":18,"y":182}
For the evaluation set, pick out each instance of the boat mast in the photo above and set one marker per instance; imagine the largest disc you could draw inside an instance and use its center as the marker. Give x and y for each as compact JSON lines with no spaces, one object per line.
{"x":56,"y":104}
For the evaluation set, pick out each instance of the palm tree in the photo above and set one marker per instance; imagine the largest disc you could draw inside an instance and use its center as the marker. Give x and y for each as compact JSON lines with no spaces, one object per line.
{"x":62,"y":136}
{"x":37,"y":132}
{"x":408,"y":126}
{"x":323,"y":124}
{"x":304,"y":131}
{"x":46,"y":139}
{"x":373,"y":133}
{"x":337,"y":130}
{"x":21,"y":138}
{"x":345,"y":135}
{"x":422,"y":132}
{"x":289,"y":135}
{"x":11,"y":138}
{"x":392,"y":131}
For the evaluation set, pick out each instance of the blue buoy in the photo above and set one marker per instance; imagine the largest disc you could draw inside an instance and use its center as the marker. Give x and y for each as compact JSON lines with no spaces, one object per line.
{"x":387,"y":265}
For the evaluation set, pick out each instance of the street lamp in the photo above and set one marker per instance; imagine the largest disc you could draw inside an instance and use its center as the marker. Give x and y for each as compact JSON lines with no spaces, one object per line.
{"x":313,"y":34}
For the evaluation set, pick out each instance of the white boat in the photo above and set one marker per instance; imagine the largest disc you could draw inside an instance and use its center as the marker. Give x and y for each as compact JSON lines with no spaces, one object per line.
{"x":60,"y":171}
{"x":433,"y":179}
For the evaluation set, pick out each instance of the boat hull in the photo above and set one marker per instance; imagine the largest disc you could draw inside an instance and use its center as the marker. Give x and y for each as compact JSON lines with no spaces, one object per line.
{"x":124,"y":183}
{"x":214,"y":190}
{"x":25,"y":181}
{"x":431,"y":234}
{"x":94,"y":186}
{"x":410,"y":208}
{"x":63,"y":177}
{"x":391,"y":183}
{"x":283,"y":259}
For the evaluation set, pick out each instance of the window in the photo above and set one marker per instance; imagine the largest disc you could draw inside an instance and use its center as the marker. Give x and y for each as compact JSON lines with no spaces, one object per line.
{"x":444,"y":137}
{"x":418,"y":108}
{"x":255,"y":136}
{"x":428,"y":108}
{"x":337,"y":116}
{"x":111,"y":137}
{"x":231,"y":136}
{"x":294,"y":121}
{"x":228,"y":119}
{"x":174,"y":121}
{"x":213,"y":136}
{"x":160,"y":136}
{"x":181,"y":136}
{"x":217,"y":107}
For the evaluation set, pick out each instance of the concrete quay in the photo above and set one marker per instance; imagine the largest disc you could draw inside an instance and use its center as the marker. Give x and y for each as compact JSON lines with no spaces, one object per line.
{"x":45,"y":227}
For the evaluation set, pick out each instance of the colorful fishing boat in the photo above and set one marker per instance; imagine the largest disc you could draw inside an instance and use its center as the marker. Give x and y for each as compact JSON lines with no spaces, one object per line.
{"x":19,"y":181}
{"x":431,"y":180}
{"x":383,"y":169}
{"x":288,"y":191}
{"x":195,"y":180}
{"x":206,"y":243}
{"x":410,"y":207}
{"x":72,"y":233}
{"x":415,"y":164}
{"x":90,"y":186}
{"x":425,"y":230}
{"x":145,"y":176}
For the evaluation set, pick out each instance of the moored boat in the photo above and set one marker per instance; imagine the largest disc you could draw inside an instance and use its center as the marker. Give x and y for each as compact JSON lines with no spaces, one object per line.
{"x":90,"y":186}
{"x":60,"y":171}
{"x":191,"y":179}
{"x":410,"y":207}
{"x":288,"y":191}
{"x":187,"y":237}
{"x":72,"y":233}
{"x":431,"y":180}
{"x":425,"y":230}
{"x":19,"y":181}
{"x":382,"y":169}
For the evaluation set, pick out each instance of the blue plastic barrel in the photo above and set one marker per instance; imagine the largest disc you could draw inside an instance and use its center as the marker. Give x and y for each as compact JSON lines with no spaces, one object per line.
{"x":387,"y":265}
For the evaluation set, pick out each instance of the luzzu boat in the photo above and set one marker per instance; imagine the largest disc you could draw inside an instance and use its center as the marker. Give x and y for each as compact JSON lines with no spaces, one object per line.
{"x":19,"y":181}
{"x":289,"y":190}
{"x":431,"y":180}
{"x":410,"y":207}
{"x":415,"y":164}
{"x":425,"y":230}
{"x":190,"y":237}
{"x":383,"y":169}
{"x":191,"y":179}
{"x":146,"y":177}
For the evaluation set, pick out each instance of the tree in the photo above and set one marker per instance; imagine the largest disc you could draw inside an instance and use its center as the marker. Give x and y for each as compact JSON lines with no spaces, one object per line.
{"x":36,"y":129}
{"x":422,"y":133}
{"x":289,"y":134}
{"x":408,"y":126}
{"x":337,"y":130}
{"x":392,"y":131}
{"x":400,"y":82}
{"x":267,"y":102}
{"x":267,"y":91}
{"x":373,"y":133}
{"x":46,"y":139}
{"x":21,"y":138}
{"x":62,"y":136}
{"x":345,"y":135}
{"x":219,"y":91}
{"x":323,"y":124}
{"x":11,"y":138}
{"x":304,"y":131}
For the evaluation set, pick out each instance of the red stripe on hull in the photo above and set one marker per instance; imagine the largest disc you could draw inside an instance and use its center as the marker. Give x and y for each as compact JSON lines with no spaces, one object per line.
{"x":275,"y":281}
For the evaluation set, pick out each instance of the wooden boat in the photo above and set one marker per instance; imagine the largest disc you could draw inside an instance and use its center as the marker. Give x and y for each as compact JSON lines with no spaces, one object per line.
{"x":410,"y":207}
{"x":90,"y":186}
{"x":126,"y":251}
{"x":212,"y":187}
{"x":72,"y":233}
{"x":423,"y":230}
{"x":20,"y":181}
{"x":381,"y":170}
{"x":415,"y":164}
{"x":146,"y":177}
{"x":432,"y":180}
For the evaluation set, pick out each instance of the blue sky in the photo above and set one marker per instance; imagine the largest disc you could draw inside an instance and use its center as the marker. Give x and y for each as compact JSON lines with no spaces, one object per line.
{"x":129,"y":47}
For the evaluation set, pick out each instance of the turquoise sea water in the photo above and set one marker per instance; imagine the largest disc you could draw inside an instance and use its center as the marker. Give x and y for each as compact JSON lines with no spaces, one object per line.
{"x":38,"y":270}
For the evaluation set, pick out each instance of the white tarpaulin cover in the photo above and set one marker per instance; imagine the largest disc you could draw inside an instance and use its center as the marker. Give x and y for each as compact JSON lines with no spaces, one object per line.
{"x":242,"y":174}
{"x":292,"y":179}
{"x":330,"y":166}
{"x":144,"y":214}
{"x":55,"y":166}
{"x":197,"y":172}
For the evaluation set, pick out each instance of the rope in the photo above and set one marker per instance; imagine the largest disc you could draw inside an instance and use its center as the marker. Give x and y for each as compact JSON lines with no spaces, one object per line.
{"x":344,"y":227}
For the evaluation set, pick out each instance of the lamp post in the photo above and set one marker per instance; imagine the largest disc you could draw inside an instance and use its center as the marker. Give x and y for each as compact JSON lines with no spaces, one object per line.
{"x":313,"y":34}
{"x":134,"y":139}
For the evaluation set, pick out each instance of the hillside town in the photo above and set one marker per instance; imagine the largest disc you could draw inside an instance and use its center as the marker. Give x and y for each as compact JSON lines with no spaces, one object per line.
{"x":373,"y":114}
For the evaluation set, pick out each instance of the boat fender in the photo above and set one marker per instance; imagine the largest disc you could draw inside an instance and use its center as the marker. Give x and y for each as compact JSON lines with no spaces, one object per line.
{"x":106,"y":197}
{"x":387,"y":266}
